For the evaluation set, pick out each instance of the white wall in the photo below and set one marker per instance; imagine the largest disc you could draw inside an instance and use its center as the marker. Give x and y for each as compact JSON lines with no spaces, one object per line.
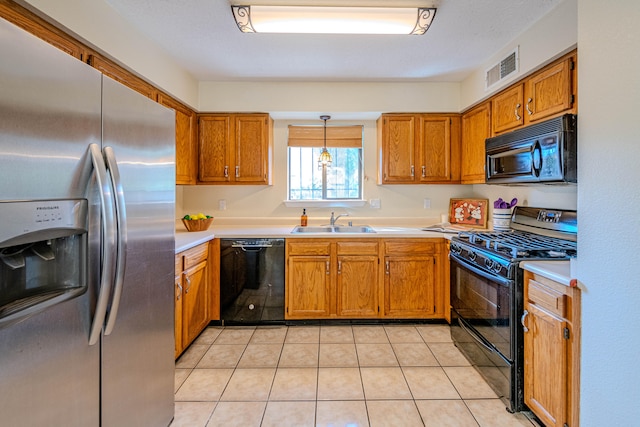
{"x":545,"y":40}
{"x":608,"y":203}
{"x":95,"y":22}
{"x":342,"y":100}
{"x":405,"y":201}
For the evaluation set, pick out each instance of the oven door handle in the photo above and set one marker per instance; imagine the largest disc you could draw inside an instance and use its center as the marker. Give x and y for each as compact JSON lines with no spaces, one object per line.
{"x":500,"y":280}
{"x":475,"y":336}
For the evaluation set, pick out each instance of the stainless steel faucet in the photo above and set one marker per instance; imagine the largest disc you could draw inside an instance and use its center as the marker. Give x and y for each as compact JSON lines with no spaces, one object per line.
{"x":333,"y":219}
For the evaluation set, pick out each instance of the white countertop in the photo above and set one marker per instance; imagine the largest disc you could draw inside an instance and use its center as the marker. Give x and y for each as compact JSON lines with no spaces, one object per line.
{"x":558,"y":271}
{"x":186,"y":239}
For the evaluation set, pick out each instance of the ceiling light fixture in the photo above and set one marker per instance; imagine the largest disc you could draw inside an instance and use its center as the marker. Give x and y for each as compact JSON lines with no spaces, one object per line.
{"x":325,"y":156}
{"x":333,"y":20}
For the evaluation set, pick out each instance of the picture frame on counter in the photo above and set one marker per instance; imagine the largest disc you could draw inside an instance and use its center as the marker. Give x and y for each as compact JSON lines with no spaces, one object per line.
{"x":471,"y":213}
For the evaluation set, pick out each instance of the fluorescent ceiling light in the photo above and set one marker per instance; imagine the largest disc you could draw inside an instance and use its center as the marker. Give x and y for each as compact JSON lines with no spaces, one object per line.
{"x":333,"y":20}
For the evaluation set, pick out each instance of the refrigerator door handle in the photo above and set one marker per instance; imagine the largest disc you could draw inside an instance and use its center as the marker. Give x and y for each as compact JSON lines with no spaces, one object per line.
{"x":108,"y":241}
{"x":121,"y":237}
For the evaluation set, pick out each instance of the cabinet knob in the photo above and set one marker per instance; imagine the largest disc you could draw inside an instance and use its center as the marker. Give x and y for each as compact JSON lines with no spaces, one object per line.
{"x":412,"y":171}
{"x":518,"y":117}
{"x":339,"y":267}
{"x":424,"y":171}
{"x":328,"y":268}
{"x":529,"y":101}
{"x":226,"y":171}
{"x":386,"y":270}
{"x":237,"y":171}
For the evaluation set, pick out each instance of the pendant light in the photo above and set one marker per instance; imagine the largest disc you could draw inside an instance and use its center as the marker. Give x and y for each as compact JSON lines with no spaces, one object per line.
{"x":325,"y":156}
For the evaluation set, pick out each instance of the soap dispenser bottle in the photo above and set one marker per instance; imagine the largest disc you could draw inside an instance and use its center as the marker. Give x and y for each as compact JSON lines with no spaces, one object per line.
{"x":303,"y":218}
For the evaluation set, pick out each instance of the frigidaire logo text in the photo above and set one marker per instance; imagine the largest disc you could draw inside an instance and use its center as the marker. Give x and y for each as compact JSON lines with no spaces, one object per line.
{"x":47,"y":208}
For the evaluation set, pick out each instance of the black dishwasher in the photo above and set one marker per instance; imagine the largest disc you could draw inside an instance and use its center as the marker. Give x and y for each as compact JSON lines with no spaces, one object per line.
{"x":251,"y":281}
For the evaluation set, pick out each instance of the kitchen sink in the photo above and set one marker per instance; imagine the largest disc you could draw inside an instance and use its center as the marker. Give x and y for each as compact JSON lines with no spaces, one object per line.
{"x":334,"y":229}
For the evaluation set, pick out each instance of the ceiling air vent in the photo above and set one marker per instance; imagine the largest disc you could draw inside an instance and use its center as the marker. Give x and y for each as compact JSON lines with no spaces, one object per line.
{"x":502,"y":69}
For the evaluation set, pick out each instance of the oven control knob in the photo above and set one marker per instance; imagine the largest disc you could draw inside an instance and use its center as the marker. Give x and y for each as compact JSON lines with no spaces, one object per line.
{"x":497,"y":267}
{"x":489,"y":263}
{"x":455,"y":249}
{"x":472,"y":256}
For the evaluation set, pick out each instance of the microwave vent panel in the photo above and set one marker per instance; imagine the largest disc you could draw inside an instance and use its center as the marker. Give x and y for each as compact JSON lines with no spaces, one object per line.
{"x":507,"y":66}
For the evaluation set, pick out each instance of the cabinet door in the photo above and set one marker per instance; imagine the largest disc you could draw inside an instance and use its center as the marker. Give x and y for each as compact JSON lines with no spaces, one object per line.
{"x":507,"y":109}
{"x":434,"y":149}
{"x":545,"y":366}
{"x":476,"y":128}
{"x":251,"y":148}
{"x":308,"y":281}
{"x":186,"y":150}
{"x":357,"y":286}
{"x":178,"y":315}
{"x":550,"y":91}
{"x":398,"y":149}
{"x":214,"y":136}
{"x":409,"y":286}
{"x":194,"y":302}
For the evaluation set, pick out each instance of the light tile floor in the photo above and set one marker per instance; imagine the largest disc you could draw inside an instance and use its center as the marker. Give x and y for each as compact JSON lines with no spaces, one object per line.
{"x":369,"y":375}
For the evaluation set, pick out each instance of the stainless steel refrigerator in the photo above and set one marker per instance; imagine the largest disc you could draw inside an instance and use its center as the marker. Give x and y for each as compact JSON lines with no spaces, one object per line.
{"x":87,"y":181}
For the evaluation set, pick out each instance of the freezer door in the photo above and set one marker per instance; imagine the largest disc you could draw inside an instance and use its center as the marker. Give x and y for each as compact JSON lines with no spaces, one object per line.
{"x":137,"y":355}
{"x":49,"y":114}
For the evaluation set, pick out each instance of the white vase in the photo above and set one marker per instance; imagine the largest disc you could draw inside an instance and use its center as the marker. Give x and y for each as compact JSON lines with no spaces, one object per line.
{"x":502,"y":219}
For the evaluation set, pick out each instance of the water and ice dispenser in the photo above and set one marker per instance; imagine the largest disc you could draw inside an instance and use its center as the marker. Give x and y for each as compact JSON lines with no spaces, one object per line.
{"x":43,"y":262}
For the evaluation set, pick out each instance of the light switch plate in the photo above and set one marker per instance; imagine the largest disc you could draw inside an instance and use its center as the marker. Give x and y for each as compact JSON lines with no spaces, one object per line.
{"x":222,"y":205}
{"x":374,"y":203}
{"x":427,"y":203}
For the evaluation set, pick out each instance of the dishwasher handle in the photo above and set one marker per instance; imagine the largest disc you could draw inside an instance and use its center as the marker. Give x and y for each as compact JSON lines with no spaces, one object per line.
{"x":251,"y":248}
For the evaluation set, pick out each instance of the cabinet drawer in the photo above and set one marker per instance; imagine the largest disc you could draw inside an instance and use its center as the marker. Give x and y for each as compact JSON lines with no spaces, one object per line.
{"x":409,"y":247}
{"x":309,"y":248}
{"x":357,"y":248}
{"x":195,"y":255}
{"x":550,"y":299}
{"x":178,"y":264}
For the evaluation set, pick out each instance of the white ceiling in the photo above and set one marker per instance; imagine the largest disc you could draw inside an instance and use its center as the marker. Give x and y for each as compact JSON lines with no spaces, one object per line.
{"x":203,"y":37}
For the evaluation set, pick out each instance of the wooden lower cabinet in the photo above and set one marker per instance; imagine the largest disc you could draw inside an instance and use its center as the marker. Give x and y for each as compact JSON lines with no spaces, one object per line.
{"x":551,"y":350}
{"x":309,"y":297}
{"x":192,"y":295}
{"x":356,"y":290}
{"x":340,"y":278}
{"x":413,"y":279}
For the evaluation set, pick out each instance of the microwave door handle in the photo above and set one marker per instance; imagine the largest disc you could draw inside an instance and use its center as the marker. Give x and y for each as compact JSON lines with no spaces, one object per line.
{"x":108,"y":226}
{"x":121,"y":238}
{"x":536,"y":159}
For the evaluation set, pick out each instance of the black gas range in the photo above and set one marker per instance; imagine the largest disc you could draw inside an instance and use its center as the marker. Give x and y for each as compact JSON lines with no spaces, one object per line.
{"x":487,"y":291}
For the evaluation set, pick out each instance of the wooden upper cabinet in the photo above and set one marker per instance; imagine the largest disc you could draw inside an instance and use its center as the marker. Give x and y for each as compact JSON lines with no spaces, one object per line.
{"x":214,"y":147}
{"x":235,"y":148}
{"x":439,"y":148}
{"x":476,"y":128}
{"x":418,"y":148}
{"x":549,"y":92}
{"x":508,"y":109}
{"x":186,"y":148}
{"x":117,"y":73}
{"x":396,"y":149}
{"x":252,"y":148}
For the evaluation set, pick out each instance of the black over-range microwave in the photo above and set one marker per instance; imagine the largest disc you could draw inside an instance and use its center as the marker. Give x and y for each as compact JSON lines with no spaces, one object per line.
{"x":544,"y":153}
